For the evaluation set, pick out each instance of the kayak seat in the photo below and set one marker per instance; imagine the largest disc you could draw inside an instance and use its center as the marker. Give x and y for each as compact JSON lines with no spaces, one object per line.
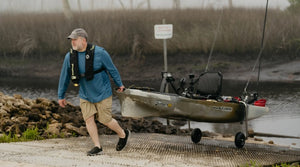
{"x":209,"y":84}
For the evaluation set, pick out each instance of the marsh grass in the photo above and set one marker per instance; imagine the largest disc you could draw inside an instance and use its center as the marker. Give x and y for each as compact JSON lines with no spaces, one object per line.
{"x":41,"y":35}
{"x":28,"y":135}
{"x":8,"y":138}
{"x":31,"y":134}
{"x":255,"y":164}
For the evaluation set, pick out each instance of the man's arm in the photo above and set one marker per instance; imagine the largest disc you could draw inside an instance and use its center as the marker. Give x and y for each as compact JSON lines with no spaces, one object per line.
{"x":111,"y":68}
{"x":64,"y":81}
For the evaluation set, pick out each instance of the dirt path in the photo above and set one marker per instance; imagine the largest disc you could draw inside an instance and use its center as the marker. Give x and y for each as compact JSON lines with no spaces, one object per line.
{"x":143,"y":150}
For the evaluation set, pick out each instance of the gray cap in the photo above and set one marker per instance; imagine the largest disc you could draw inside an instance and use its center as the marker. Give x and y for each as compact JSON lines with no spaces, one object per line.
{"x":78,"y":32}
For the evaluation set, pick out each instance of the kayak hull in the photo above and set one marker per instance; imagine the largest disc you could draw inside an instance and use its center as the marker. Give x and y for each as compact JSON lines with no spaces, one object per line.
{"x":138,"y":104}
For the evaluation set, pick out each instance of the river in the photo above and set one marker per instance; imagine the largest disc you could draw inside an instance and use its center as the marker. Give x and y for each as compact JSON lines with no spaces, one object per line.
{"x":282,"y":99}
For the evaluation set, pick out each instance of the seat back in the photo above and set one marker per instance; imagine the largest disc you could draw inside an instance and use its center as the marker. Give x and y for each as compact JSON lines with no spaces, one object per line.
{"x":209,"y":84}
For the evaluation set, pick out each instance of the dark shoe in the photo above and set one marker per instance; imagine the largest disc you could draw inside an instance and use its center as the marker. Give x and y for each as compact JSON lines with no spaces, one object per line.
{"x":94,"y":151}
{"x":123,"y":141}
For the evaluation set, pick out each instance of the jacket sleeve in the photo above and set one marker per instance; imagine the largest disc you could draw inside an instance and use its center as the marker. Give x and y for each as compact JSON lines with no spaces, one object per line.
{"x":111,"y":68}
{"x":65,"y":77}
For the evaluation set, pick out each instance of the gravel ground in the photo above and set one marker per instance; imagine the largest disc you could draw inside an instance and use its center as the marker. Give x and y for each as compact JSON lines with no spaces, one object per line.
{"x":146,"y":149}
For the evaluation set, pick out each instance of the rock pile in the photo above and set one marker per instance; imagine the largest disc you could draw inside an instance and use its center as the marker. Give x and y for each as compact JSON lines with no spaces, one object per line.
{"x":17,"y":114}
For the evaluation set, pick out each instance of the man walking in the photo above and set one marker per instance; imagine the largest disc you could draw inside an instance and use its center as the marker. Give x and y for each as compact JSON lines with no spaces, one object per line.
{"x":87,"y":66}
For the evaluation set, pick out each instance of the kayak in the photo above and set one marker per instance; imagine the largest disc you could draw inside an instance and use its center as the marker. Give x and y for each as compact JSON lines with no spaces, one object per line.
{"x":140,"y":103}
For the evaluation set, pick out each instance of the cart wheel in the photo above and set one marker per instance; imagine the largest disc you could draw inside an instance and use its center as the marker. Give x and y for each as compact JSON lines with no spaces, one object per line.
{"x":239,"y":140}
{"x":196,"y":135}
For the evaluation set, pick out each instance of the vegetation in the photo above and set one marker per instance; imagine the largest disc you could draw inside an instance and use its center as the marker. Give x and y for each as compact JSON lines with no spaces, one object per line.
{"x":128,"y":32}
{"x":294,"y":6}
{"x":34,"y":44}
{"x":28,"y":135}
{"x":254,"y":164}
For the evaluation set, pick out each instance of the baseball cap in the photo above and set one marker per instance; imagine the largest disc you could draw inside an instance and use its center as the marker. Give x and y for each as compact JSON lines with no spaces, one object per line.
{"x":78,"y":32}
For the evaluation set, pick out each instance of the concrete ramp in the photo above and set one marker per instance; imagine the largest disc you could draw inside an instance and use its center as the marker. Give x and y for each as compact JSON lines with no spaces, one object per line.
{"x":143,"y":150}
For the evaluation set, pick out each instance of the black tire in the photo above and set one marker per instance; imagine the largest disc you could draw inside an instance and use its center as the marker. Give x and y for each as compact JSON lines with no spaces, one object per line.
{"x":239,"y":140}
{"x":196,"y":135}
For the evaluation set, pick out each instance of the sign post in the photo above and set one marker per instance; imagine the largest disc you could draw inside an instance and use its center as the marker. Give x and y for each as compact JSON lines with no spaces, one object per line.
{"x":164,"y":31}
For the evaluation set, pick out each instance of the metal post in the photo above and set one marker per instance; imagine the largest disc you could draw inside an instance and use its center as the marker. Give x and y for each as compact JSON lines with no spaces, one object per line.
{"x":246,"y":122}
{"x":165,"y":56}
{"x":166,"y":63}
{"x":165,"y":50}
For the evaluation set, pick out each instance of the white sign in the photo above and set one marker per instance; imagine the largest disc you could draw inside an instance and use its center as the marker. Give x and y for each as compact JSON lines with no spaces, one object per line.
{"x":163,"y":31}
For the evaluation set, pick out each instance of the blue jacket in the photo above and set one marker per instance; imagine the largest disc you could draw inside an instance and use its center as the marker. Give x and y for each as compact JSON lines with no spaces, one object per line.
{"x":96,"y":89}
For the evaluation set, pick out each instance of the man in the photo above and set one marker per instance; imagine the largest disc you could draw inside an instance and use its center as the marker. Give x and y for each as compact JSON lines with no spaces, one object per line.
{"x":88,"y":67}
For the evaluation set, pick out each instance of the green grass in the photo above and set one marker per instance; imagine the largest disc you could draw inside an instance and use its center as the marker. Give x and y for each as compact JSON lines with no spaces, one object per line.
{"x":252,"y":164}
{"x":8,"y":138}
{"x":255,"y":164}
{"x":285,"y":165}
{"x":28,"y":135}
{"x":31,"y":134}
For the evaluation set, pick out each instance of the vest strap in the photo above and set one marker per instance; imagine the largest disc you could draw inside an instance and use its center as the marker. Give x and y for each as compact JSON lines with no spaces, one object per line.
{"x":95,"y":72}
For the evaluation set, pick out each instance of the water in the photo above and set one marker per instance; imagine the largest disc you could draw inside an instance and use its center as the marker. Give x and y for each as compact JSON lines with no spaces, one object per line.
{"x":282,"y":99}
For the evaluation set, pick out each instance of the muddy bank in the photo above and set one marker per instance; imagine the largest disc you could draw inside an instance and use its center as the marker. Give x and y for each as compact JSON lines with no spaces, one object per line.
{"x":180,"y":65}
{"x":284,"y":71}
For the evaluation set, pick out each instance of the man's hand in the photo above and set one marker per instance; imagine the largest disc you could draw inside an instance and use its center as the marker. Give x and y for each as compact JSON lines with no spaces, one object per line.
{"x":62,"y":103}
{"x":121,"y":88}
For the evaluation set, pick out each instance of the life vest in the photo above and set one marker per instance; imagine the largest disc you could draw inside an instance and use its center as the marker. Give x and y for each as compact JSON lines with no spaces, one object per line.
{"x":89,"y":65}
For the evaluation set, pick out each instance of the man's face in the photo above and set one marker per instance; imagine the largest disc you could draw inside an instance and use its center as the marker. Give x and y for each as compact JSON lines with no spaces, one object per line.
{"x":78,"y":44}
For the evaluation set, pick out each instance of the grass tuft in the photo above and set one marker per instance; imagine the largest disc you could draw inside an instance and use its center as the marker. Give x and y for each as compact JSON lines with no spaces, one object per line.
{"x":28,"y":135}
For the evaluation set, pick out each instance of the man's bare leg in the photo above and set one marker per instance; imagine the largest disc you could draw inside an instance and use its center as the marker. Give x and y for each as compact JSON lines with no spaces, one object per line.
{"x":93,"y":131}
{"x":123,"y":134}
{"x":114,"y":125}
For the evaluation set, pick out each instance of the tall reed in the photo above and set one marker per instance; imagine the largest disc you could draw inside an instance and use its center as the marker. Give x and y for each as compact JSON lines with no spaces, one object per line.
{"x":40,"y":35}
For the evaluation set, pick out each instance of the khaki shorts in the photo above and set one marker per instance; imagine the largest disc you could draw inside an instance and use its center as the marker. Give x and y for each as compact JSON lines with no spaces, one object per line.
{"x":102,"y":110}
